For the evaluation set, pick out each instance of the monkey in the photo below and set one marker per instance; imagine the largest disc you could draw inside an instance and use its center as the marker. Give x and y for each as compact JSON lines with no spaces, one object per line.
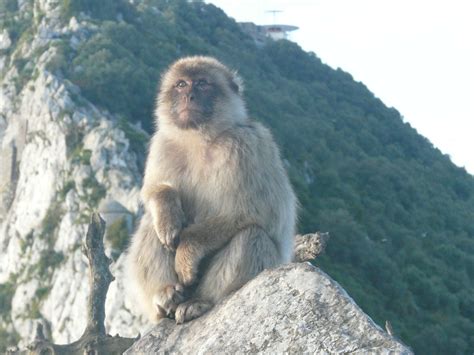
{"x":219,"y":207}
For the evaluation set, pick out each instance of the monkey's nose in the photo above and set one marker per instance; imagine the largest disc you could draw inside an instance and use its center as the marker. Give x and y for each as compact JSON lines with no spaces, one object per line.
{"x":188,"y":98}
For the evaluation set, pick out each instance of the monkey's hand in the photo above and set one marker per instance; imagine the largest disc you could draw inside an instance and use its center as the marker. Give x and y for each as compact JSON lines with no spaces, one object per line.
{"x":187,"y":259}
{"x":168,"y":217}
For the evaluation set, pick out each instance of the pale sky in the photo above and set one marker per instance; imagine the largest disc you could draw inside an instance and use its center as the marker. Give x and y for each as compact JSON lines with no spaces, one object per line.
{"x":415,"y":55}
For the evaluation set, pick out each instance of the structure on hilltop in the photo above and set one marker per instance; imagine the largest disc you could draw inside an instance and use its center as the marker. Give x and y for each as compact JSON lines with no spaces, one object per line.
{"x":277,"y":32}
{"x":260,"y":33}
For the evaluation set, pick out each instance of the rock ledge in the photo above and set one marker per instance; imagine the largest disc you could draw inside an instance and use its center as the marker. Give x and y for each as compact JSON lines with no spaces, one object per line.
{"x":295,"y":308}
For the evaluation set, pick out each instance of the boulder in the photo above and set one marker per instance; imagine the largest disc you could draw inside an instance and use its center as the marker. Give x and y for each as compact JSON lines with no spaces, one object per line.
{"x":296,"y":309}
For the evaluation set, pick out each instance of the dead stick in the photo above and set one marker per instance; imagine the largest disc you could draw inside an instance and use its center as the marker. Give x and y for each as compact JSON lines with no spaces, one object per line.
{"x":309,"y":246}
{"x":94,"y":340}
{"x":99,"y":275}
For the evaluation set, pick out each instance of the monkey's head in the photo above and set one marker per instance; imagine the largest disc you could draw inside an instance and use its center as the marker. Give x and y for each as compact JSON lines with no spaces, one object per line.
{"x":200,"y":93}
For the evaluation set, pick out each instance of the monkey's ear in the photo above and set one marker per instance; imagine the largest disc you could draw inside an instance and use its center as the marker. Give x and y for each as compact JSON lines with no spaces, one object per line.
{"x":236,"y":83}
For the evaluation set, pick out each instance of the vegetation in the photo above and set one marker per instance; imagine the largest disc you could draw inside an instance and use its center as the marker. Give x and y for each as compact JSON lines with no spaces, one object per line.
{"x":399,"y":212}
{"x":50,"y":221}
{"x":68,"y":186}
{"x":16,"y":23}
{"x":8,"y":6}
{"x":7,"y":291}
{"x":103,"y":10}
{"x":81,"y":156}
{"x":48,"y":261}
{"x":118,"y":235}
{"x":138,"y":139}
{"x":7,"y":339}
{"x":94,"y":191}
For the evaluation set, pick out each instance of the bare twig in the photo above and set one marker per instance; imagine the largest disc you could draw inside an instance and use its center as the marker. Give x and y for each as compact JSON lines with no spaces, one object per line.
{"x":388,"y":328}
{"x":309,"y":246}
{"x":99,"y":275}
{"x":94,"y":340}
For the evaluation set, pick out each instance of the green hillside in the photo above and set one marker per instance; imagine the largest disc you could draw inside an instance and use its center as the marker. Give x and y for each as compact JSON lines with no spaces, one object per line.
{"x":400,"y":214}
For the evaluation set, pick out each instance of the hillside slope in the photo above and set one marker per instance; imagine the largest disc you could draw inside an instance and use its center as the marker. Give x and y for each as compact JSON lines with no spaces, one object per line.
{"x":399,"y":212}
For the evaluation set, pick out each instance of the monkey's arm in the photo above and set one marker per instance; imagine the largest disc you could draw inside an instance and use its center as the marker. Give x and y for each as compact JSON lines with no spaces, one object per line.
{"x":201,"y":239}
{"x":161,"y":200}
{"x":166,"y":212}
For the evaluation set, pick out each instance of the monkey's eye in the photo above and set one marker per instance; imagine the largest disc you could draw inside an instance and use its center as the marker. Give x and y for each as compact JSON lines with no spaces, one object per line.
{"x":181,"y":84}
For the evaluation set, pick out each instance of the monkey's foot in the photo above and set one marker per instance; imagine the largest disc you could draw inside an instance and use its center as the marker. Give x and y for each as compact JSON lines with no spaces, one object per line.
{"x":167,"y":300}
{"x":191,"y":309}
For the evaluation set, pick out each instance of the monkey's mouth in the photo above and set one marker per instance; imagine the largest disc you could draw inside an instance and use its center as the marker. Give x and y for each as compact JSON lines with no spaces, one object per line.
{"x":191,"y":117}
{"x":190,"y":114}
{"x":190,"y":111}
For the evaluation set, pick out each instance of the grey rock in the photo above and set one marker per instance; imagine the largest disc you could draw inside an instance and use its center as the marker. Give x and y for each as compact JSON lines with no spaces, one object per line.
{"x":56,"y":150}
{"x":5,"y":41}
{"x":295,"y":309}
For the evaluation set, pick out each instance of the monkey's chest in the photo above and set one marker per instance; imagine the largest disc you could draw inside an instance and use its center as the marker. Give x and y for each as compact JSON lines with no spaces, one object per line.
{"x":209,"y":185}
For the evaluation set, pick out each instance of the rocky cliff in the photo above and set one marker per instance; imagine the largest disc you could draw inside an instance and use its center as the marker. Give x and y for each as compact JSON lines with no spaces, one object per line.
{"x":61,"y":158}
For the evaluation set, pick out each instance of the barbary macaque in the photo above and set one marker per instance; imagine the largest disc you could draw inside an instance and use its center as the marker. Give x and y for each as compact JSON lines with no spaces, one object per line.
{"x":219,"y":208}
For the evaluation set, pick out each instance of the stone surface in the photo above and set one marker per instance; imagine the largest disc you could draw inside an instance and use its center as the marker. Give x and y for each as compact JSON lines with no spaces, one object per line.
{"x":5,"y":41}
{"x":58,"y":150}
{"x":295,"y":309}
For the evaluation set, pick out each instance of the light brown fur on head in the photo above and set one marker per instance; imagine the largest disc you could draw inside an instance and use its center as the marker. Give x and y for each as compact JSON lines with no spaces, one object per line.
{"x":218,"y":204}
{"x":229,"y":107}
{"x":201,"y":63}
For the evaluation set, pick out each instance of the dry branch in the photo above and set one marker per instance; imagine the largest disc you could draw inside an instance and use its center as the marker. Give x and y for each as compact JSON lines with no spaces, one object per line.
{"x":94,"y":340}
{"x":309,"y":246}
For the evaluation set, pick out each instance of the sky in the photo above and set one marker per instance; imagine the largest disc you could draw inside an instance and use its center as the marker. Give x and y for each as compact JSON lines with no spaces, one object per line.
{"x":416,"y":56}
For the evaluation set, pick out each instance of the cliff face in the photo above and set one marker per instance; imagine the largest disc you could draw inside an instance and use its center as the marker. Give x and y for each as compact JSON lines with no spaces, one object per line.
{"x":61,"y":158}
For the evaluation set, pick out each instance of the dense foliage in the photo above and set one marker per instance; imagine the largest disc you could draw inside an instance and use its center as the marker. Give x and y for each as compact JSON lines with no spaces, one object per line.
{"x":399,"y":212}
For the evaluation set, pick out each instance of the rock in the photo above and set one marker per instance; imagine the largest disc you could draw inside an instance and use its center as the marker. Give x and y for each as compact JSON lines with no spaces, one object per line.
{"x":5,"y":41}
{"x":295,"y":309}
{"x":60,"y":156}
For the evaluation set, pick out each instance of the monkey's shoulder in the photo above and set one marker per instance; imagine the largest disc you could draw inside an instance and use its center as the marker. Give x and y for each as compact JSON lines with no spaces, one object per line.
{"x":257,"y":139}
{"x":253,"y":127}
{"x":250,"y":152}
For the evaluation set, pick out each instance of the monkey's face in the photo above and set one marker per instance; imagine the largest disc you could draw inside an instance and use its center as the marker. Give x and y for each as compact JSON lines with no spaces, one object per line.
{"x":193,"y":99}
{"x":199,"y":93}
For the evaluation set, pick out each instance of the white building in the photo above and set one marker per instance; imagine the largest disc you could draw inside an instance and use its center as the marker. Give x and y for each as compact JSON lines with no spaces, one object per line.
{"x":277,"y":32}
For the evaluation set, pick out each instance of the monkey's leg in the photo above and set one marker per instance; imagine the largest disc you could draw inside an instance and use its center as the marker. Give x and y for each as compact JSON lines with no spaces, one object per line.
{"x":151,"y":268}
{"x":200,"y":240}
{"x":248,"y":253}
